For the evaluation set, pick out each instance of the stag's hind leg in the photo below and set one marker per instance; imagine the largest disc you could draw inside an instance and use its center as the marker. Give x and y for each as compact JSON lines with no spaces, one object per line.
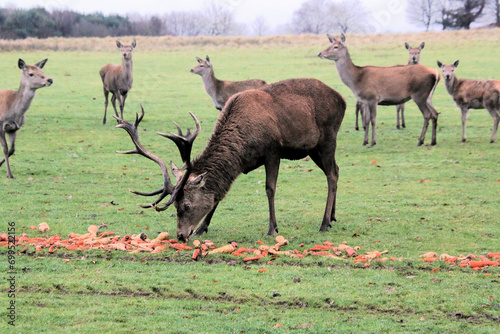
{"x":6,"y":152}
{"x":400,"y":110}
{"x":325,"y":159}
{"x":272,"y":168}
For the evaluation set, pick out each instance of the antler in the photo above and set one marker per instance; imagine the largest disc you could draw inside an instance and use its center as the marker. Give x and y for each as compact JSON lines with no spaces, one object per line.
{"x":184,"y":142}
{"x":168,"y":187}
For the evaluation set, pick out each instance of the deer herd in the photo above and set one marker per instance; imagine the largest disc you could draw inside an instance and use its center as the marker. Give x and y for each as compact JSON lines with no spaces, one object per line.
{"x":260,"y":123}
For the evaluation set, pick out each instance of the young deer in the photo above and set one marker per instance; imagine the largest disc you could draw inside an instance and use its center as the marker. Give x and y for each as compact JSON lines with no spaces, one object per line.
{"x":473,"y":94}
{"x":118,"y":79}
{"x":15,"y":104}
{"x":413,"y":58}
{"x":393,"y":85}
{"x":220,"y":91}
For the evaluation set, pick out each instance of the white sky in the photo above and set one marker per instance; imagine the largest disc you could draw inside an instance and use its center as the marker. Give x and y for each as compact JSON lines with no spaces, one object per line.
{"x":386,"y":15}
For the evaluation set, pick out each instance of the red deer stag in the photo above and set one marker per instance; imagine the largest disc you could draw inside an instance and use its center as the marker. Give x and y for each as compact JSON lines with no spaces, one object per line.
{"x":118,"y":79}
{"x":473,"y":94}
{"x":220,"y":91}
{"x":290,"y":119}
{"x":15,"y":104}
{"x":386,"y":86}
{"x":413,"y":58}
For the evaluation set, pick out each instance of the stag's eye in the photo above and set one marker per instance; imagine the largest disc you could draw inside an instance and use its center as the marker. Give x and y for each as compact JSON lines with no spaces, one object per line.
{"x":187,"y":206}
{"x":31,"y":74}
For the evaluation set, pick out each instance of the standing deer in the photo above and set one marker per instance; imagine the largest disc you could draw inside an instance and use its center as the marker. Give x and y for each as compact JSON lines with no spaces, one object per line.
{"x":290,"y":119}
{"x":220,"y":91}
{"x":413,"y":58}
{"x":393,"y":85}
{"x":473,"y":94}
{"x":118,"y":79}
{"x":15,"y":104}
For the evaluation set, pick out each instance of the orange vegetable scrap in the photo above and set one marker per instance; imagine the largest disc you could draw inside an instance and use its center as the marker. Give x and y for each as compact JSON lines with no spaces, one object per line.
{"x":43,"y":227}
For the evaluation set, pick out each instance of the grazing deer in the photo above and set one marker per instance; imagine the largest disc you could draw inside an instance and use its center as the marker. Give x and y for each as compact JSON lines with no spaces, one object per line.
{"x":118,"y":79}
{"x":413,"y":58}
{"x":290,"y":119}
{"x":15,"y":104}
{"x":394,"y":85}
{"x":473,"y":94}
{"x":220,"y":91}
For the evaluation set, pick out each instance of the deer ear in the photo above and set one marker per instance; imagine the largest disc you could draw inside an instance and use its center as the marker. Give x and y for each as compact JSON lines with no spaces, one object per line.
{"x":440,"y":65}
{"x":21,"y":64}
{"x":407,"y":46}
{"x":198,"y":181}
{"x":41,"y":64}
{"x":208,"y":59}
{"x":118,"y":44}
{"x":455,"y":63}
{"x":342,"y":38}
{"x":134,"y":43}
{"x":178,"y":174}
{"x":199,"y":59}
{"x":421,"y":46}
{"x":331,"y":38}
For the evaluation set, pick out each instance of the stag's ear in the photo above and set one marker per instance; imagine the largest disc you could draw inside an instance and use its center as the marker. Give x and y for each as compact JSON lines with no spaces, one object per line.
{"x":197,"y":182}
{"x":41,"y":64}
{"x":421,"y":46}
{"x":199,"y":59}
{"x":118,"y":44}
{"x":331,"y":38}
{"x":407,"y":46}
{"x":208,"y":59}
{"x":440,"y":65}
{"x":455,"y":63}
{"x":21,"y":64}
{"x":134,"y":43}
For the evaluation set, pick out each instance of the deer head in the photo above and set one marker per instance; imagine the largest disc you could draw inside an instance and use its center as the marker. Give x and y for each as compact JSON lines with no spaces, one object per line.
{"x":414,"y":53}
{"x":203,"y":67}
{"x":335,"y":51}
{"x":448,"y":70}
{"x":188,"y":196}
{"x":32,"y":75}
{"x":126,"y":50}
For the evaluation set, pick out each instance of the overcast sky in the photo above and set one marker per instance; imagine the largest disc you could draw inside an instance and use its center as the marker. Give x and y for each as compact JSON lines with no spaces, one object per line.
{"x":386,"y":15}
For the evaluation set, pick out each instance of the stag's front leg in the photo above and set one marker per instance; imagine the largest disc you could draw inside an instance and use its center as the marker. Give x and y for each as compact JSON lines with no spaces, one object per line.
{"x":272,"y":169}
{"x":203,"y":228}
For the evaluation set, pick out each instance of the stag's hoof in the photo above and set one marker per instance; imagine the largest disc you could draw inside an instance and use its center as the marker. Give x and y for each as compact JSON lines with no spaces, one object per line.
{"x":365,"y":143}
{"x":463,"y":140}
{"x":433,"y":143}
{"x":373,"y":144}
{"x":420,"y":143}
{"x":492,"y":141}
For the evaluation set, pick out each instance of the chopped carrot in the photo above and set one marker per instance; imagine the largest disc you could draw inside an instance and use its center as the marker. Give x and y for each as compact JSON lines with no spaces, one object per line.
{"x":106,"y":234}
{"x":196,"y":253}
{"x":261,"y":270}
{"x":494,"y":255}
{"x":430,"y":259}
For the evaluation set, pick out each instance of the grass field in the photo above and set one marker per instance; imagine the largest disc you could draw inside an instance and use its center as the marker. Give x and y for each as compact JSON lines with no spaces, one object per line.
{"x":395,"y":196}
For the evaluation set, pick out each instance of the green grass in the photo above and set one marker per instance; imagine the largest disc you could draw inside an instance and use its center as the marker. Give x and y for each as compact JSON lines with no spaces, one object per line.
{"x":395,"y":196}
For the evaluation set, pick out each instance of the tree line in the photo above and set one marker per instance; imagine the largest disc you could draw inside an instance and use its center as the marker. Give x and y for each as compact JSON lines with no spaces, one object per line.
{"x":314,"y":16}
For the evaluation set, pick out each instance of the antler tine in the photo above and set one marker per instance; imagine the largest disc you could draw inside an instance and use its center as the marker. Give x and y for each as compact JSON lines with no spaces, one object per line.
{"x":184,"y":142}
{"x":139,"y":149}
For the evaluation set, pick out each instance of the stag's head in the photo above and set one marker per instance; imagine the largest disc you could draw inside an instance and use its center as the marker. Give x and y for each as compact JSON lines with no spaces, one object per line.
{"x":335,"y":51}
{"x":32,"y":75}
{"x":414,"y":53}
{"x":189,"y":195}
{"x":448,"y":70}
{"x":126,"y":50}
{"x":204,"y":66}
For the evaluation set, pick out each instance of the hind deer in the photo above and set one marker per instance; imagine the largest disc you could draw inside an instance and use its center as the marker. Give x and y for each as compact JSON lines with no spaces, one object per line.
{"x":393,"y":85}
{"x":220,"y":91}
{"x":15,"y":104}
{"x":118,"y":79}
{"x":473,"y":94}
{"x":290,"y":119}
{"x":413,"y":58}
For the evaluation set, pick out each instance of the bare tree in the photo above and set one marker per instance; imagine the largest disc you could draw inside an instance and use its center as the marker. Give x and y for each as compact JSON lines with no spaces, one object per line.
{"x":349,"y":16}
{"x":260,"y":26}
{"x":424,"y":12}
{"x":220,"y":20}
{"x":493,"y":9}
{"x":460,"y":14}
{"x":313,"y":17}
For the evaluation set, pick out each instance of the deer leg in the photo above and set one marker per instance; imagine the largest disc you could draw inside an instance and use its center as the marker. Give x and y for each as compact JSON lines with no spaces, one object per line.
{"x":122,"y":104}
{"x":106,"y":93}
{"x":203,"y":228}
{"x":272,"y":169}
{"x":400,"y":109}
{"x":113,"y":102}
{"x":358,"y":109}
{"x":496,"y":119}
{"x":6,"y":154}
{"x":371,"y":118}
{"x":403,"y":116}
{"x":465,"y":115}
